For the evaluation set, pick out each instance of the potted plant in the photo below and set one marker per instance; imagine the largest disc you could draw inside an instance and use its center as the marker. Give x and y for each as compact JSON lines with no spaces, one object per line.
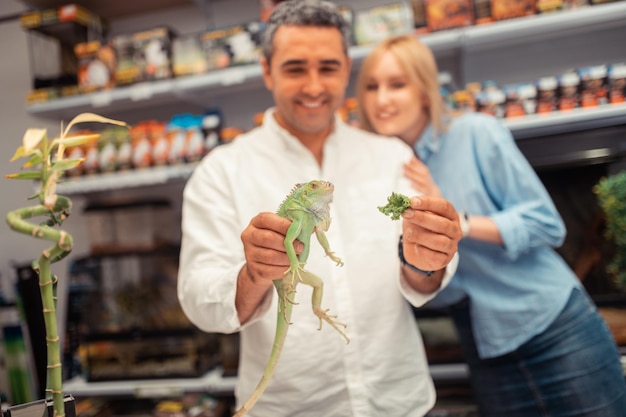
{"x":611,"y":192}
{"x":47,"y":164}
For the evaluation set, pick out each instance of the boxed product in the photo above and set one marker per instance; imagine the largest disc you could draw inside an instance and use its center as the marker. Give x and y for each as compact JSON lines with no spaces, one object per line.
{"x":187,"y":55}
{"x":547,"y":95}
{"x":448,"y":14}
{"x":45,"y":20}
{"x":153,"y":53}
{"x":482,"y":12}
{"x":569,"y":84}
{"x":126,"y":70}
{"x":548,"y":6}
{"x":96,"y":66}
{"x":377,"y":23}
{"x":52,"y":34}
{"x":509,"y":9}
{"x":521,"y":99}
{"x":593,"y":85}
{"x":617,"y":83}
{"x":420,"y":22}
{"x":232,"y":45}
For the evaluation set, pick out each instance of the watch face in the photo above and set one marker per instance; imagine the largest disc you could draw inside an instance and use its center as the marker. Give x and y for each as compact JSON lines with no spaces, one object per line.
{"x":97,"y":74}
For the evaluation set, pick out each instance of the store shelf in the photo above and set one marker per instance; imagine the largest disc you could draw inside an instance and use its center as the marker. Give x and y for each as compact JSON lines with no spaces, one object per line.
{"x":125,"y":179}
{"x":567,"y":121}
{"x":543,"y":27}
{"x":195,"y":89}
{"x":212,"y":382}
{"x":521,"y":127}
{"x":113,"y":9}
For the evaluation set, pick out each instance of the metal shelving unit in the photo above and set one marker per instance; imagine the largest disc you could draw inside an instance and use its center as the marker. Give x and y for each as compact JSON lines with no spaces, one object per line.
{"x":192,"y":89}
{"x":126,"y":179}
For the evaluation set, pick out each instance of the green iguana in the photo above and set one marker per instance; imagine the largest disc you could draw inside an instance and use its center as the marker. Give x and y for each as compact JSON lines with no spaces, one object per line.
{"x":308,"y":207}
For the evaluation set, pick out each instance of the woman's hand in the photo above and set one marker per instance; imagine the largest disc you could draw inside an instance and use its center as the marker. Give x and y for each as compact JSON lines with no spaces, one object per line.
{"x":419,"y":176}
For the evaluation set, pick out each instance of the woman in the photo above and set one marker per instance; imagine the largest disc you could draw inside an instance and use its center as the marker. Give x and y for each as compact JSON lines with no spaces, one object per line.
{"x":534,"y":341}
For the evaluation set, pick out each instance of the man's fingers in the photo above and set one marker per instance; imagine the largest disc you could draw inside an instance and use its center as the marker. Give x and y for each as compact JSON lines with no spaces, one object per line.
{"x":268,"y":230}
{"x":436,"y":205}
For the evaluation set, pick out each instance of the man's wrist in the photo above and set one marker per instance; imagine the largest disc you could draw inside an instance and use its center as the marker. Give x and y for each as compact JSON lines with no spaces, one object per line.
{"x":406,"y":264}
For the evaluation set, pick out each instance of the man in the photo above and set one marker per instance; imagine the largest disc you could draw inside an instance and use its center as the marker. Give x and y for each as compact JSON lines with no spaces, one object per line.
{"x":233,"y":248}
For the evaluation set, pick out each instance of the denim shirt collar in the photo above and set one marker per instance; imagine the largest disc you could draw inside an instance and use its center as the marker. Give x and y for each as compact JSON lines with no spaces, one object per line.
{"x":427,"y":144}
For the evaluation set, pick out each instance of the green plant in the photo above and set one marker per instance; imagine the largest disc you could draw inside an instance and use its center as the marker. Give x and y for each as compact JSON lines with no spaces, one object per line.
{"x":611,"y":192}
{"x":47,"y":164}
{"x":396,"y":205}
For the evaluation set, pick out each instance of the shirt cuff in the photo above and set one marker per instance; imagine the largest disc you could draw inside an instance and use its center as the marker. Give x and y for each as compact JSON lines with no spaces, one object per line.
{"x":418,"y":299}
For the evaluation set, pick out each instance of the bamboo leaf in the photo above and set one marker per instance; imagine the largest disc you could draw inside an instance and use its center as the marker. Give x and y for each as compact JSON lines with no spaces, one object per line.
{"x":75,"y":140}
{"x":32,"y":138}
{"x":63,"y":143}
{"x":90,"y":117}
{"x":65,"y":164}
{"x":25,"y":175}
{"x":35,"y":159}
{"x":19,"y":153}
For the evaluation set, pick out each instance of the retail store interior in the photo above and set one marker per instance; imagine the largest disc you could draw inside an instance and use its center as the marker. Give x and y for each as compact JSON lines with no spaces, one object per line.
{"x":192,"y":66}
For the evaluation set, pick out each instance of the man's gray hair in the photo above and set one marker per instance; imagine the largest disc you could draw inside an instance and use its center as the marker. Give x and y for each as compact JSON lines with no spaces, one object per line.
{"x":318,"y":13}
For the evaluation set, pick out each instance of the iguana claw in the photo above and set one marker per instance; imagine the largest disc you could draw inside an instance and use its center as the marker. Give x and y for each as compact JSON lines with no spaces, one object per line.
{"x":330,"y":319}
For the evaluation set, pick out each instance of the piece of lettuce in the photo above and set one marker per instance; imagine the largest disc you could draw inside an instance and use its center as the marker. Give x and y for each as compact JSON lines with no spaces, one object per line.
{"x":396,"y":205}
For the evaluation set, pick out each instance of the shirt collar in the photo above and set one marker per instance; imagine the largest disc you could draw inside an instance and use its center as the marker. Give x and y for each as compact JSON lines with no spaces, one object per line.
{"x":428,"y":143}
{"x":290,"y":141}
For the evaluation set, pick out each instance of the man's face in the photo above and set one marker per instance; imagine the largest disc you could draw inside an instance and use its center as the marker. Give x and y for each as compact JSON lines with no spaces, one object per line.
{"x":308,"y":75}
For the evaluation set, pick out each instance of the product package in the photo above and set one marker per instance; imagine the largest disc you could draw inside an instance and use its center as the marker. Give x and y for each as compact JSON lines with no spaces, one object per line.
{"x":232,"y":45}
{"x":449,"y":14}
{"x":96,"y":66}
{"x":509,"y":9}
{"x":593,"y":85}
{"x":153,"y":53}
{"x":377,"y":23}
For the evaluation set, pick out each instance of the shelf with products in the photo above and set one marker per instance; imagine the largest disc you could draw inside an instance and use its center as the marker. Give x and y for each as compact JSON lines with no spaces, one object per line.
{"x":196,"y":89}
{"x":522,"y":128}
{"x":115,"y":9}
{"x":579,"y":119}
{"x":213,"y":382}
{"x":126,"y":179}
{"x":542,"y":27}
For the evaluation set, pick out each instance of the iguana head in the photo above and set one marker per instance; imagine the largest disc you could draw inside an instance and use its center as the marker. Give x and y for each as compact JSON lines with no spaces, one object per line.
{"x":314,"y":196}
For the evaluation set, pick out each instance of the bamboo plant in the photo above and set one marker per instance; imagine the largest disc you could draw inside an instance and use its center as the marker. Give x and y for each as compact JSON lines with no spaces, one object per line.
{"x":611,"y":192}
{"x":47,"y":164}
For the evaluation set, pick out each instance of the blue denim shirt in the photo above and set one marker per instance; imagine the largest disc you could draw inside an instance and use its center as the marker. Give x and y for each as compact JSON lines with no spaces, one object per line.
{"x":518,"y":289}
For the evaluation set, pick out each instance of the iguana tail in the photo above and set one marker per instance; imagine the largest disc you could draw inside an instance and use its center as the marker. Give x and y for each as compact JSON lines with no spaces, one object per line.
{"x":282,"y":325}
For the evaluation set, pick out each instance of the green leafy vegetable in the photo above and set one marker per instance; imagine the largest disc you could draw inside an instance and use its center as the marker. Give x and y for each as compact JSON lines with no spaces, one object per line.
{"x":396,"y":205}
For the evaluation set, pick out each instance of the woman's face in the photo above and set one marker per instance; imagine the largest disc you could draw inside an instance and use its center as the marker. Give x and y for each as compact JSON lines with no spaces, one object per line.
{"x":394,"y":105}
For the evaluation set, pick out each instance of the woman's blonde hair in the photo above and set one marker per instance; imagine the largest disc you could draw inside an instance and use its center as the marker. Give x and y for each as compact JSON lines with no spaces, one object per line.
{"x":419,"y":63}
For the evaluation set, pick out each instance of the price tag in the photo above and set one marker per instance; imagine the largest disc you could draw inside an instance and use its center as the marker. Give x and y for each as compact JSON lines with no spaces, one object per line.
{"x":101,"y":98}
{"x":141,"y":91}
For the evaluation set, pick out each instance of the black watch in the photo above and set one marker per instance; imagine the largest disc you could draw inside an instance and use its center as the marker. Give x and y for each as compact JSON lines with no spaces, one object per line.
{"x":408,"y":265}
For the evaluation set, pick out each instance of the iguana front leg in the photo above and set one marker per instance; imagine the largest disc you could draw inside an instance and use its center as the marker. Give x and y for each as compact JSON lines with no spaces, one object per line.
{"x":296,"y":263}
{"x":321,"y":237}
{"x":317,"y":284}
